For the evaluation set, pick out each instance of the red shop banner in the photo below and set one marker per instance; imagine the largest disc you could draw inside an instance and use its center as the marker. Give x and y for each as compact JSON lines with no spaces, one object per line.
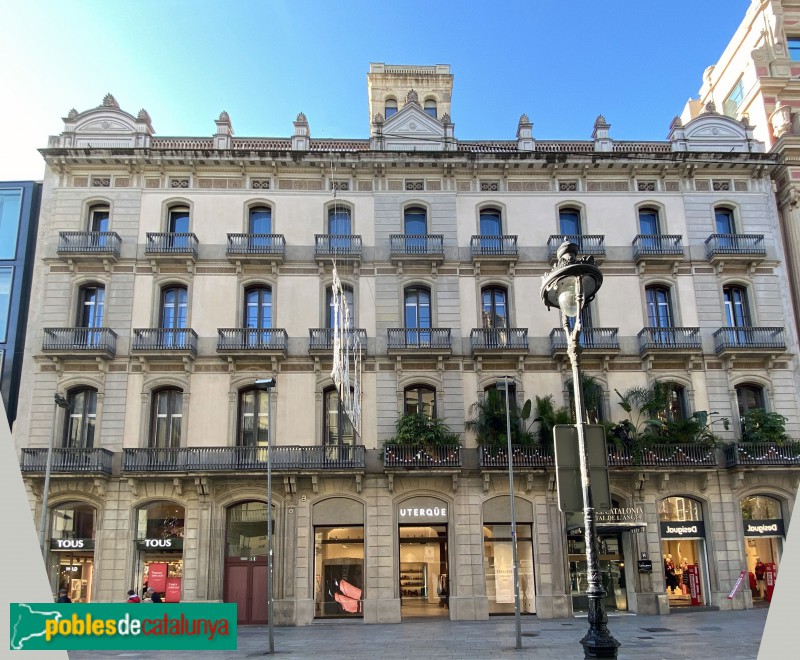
{"x":694,"y":584}
{"x":157,"y":576}
{"x":173,"y":590}
{"x":770,"y":574}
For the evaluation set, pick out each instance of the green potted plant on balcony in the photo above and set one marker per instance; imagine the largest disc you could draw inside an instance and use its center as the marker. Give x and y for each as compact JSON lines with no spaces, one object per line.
{"x":760,"y":426}
{"x":488,"y":422}
{"x":428,"y":434}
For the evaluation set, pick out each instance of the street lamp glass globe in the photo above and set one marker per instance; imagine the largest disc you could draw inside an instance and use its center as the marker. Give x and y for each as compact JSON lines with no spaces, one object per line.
{"x":567,"y":300}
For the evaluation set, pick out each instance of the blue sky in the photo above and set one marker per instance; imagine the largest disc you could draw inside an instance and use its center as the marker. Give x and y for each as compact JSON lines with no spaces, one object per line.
{"x":563,"y":63}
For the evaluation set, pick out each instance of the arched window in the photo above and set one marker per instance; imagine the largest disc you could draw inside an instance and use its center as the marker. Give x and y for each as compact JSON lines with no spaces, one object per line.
{"x":339,"y":227}
{"x":415,"y":221}
{"x":99,"y":217}
{"x":160,"y":520}
{"x":81,"y":417}
{"x":178,"y":220}
{"x":167,"y":416}
{"x":258,"y":307}
{"x":494,"y":307}
{"x":253,"y":418}
{"x":760,"y":507}
{"x":246,"y":530}
{"x":91,"y":302}
{"x":338,"y":430}
{"x":390,"y":108}
{"x":174,"y":307}
{"x":737,"y":314}
{"x":430,"y":108}
{"x":659,"y":307}
{"x":677,"y":509}
{"x":648,"y":222}
{"x":724,"y":220}
{"x":677,"y":407}
{"x":330,"y":319}
{"x":420,"y":400}
{"x":417,"y":316}
{"x":569,"y":222}
{"x":749,"y":397}
{"x":489,"y":222}
{"x":260,"y":220}
{"x":73,"y":521}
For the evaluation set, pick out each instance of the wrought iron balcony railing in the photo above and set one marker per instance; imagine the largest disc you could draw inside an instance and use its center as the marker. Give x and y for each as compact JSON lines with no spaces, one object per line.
{"x":321,"y":339}
{"x":669,"y":338}
{"x":669,"y":456}
{"x":419,"y":338}
{"x":587,"y":244}
{"x":591,"y":338}
{"x":252,"y":339}
{"x":521,"y":457}
{"x":493,"y":246}
{"x":89,"y":242}
{"x":67,"y":460}
{"x":255,"y":244}
{"x":334,"y":245}
{"x":407,"y":456}
{"x":749,"y":337}
{"x":499,"y":339}
{"x":733,"y":244}
{"x":210,"y":459}
{"x":645,"y":245}
{"x":164,"y":339}
{"x":762,"y":453}
{"x":80,"y":340}
{"x":171,"y":243}
{"x":416,"y":245}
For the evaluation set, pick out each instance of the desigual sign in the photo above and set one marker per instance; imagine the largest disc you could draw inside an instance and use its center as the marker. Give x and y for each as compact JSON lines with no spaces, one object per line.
{"x":681,"y":530}
{"x":422,"y":509}
{"x":71,"y":544}
{"x":160,"y":544}
{"x":763,"y":528}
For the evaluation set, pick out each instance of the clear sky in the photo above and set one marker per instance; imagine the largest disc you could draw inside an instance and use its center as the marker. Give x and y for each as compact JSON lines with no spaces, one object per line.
{"x":562,"y":62}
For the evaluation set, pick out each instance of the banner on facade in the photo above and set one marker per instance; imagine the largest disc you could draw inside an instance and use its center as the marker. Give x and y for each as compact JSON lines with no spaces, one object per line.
{"x":736,"y":586}
{"x":157,"y":576}
{"x":504,"y":572}
{"x":173,"y":590}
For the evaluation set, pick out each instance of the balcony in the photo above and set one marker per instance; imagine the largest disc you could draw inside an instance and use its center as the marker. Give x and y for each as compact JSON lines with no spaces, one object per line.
{"x":675,"y":342}
{"x":499,"y":341}
{"x":408,"y":457}
{"x":494,"y":249}
{"x":67,"y":460}
{"x":587,"y":244}
{"x":521,"y":457}
{"x":78,"y":342}
{"x":742,"y":248}
{"x":420,"y":341}
{"x":167,"y":247}
{"x":89,"y":246}
{"x":749,"y":341}
{"x":164,"y":342}
{"x":595,"y":341}
{"x":686,"y":456}
{"x":320,"y":340}
{"x":346,"y":246}
{"x":243,"y":459}
{"x":256,"y":248}
{"x":786,"y":454}
{"x":416,"y":248}
{"x":658,"y":249}
{"x":272,"y":341}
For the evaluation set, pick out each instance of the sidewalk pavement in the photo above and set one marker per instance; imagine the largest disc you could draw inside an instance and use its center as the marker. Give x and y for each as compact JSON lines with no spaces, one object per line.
{"x":676,"y":636}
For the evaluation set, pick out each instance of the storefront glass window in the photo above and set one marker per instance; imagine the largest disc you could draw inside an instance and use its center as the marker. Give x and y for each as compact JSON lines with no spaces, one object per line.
{"x":679,"y":508}
{"x":73,"y":522}
{"x":71,"y":558}
{"x":760,"y":507}
{"x":683,"y":551}
{"x":247,"y":530}
{"x":339,"y":571}
{"x":160,"y":520}
{"x":498,"y":555}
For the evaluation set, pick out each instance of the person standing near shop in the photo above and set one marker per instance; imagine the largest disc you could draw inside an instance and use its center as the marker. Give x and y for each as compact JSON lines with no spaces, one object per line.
{"x":760,"y":570}
{"x":133,"y":597}
{"x":62,"y":596}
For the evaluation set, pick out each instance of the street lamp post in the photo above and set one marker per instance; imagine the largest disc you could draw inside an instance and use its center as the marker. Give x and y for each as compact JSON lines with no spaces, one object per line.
{"x":517,"y":627}
{"x":570,"y":286}
{"x":269,"y":384}
{"x":60,"y":402}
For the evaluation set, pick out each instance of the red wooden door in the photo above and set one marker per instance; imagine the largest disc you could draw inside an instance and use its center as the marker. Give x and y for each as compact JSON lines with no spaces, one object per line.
{"x":246,"y":585}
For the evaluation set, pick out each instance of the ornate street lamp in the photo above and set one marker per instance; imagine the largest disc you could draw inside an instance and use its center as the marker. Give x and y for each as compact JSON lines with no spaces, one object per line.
{"x":268,"y":384}
{"x":60,"y":402}
{"x":571,"y":285}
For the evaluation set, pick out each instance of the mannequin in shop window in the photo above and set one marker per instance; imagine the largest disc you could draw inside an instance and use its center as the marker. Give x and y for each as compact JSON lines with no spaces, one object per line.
{"x":760,"y":570}
{"x":685,"y":576}
{"x":669,"y":573}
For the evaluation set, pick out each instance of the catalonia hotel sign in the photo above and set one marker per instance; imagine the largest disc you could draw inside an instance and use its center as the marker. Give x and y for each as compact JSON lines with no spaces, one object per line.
{"x":763,"y":527}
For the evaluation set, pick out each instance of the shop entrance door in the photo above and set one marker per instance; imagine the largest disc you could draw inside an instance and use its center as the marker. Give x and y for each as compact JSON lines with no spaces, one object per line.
{"x":246,"y":585}
{"x":612,"y":572}
{"x":423,"y":571}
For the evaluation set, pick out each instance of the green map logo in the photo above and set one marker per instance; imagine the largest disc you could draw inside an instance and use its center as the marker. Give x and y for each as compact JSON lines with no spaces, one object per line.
{"x":122,"y":626}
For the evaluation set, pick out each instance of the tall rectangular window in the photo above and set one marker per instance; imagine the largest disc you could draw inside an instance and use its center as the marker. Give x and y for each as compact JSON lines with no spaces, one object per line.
{"x":6,"y":277}
{"x":10,"y":207}
{"x":734,"y":99}
{"x":794,"y":48}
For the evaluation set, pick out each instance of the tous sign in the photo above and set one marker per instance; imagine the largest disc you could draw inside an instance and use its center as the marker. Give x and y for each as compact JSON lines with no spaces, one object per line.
{"x":158,"y":543}
{"x":72,"y":544}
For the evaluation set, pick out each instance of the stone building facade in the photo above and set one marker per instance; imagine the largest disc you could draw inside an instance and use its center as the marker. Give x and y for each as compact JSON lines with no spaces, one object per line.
{"x":173,"y":273}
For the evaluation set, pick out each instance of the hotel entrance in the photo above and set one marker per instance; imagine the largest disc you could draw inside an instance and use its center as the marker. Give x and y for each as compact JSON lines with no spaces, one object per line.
{"x":423,"y":569}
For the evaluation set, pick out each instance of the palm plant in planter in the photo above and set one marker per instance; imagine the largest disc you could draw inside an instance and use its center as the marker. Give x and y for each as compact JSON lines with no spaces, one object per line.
{"x":488,"y":421}
{"x":761,"y":426}
{"x":426,"y":433}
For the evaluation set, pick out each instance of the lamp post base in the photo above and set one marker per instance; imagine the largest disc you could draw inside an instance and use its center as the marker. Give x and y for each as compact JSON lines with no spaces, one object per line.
{"x":599,"y":645}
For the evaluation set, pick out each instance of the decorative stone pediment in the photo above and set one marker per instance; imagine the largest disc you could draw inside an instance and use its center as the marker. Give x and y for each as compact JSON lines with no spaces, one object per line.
{"x":105,"y":127}
{"x":711,"y":131}
{"x":411,"y":129}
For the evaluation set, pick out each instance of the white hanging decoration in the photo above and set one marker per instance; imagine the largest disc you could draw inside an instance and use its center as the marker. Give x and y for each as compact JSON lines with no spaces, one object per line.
{"x":346,"y":348}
